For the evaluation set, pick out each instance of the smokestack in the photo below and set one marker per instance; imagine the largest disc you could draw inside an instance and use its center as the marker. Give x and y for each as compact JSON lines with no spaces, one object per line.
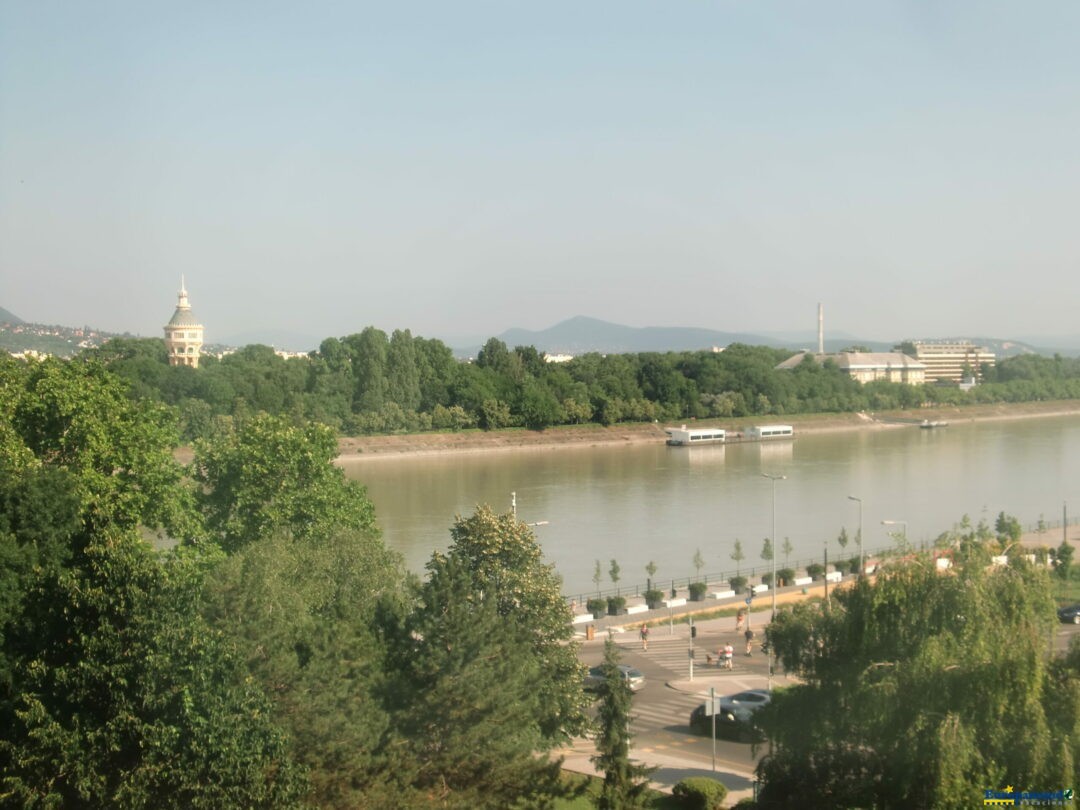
{"x":820,"y":329}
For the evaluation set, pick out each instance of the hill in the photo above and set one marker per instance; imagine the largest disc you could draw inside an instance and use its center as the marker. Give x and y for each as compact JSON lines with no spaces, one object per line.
{"x":8,"y":317}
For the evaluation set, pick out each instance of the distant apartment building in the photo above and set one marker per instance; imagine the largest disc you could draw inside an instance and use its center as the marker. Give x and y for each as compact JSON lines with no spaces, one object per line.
{"x":183,"y":333}
{"x":950,"y":361}
{"x":867,"y":367}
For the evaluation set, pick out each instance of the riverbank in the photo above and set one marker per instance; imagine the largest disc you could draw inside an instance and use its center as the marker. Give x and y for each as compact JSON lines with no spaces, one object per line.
{"x":569,"y":436}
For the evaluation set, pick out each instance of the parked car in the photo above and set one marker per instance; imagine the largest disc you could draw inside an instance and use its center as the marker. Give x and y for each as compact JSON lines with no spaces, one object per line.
{"x":1070,"y":614}
{"x":634,"y":678}
{"x":734,"y":714}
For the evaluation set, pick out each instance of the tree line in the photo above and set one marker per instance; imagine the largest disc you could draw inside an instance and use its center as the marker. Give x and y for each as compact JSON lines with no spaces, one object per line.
{"x":372,"y":383}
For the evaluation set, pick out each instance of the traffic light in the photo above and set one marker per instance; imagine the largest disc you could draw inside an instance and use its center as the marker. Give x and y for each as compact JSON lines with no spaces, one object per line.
{"x":693,"y":631}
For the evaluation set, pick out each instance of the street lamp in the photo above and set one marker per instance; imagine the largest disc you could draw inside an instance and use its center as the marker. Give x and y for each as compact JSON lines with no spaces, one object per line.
{"x":903,"y":523}
{"x":772,"y":584}
{"x":862,"y":562}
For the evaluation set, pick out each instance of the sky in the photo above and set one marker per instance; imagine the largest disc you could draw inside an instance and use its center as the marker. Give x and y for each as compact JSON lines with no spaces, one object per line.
{"x":459,"y":169}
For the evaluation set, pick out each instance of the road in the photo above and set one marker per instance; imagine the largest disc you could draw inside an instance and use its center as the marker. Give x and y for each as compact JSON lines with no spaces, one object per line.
{"x":661,"y":710}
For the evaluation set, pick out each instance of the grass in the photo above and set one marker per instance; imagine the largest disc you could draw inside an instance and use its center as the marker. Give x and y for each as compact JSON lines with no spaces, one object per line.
{"x":655,"y":801}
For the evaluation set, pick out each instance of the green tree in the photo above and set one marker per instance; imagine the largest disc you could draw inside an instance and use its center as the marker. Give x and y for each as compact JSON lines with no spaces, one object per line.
{"x":1064,"y":557}
{"x":650,"y":569}
{"x":597,"y":576}
{"x":506,"y":562}
{"x":303,"y":614}
{"x":842,"y":539}
{"x":625,"y":783}
{"x":699,"y":562}
{"x":786,"y":548}
{"x":737,"y":555}
{"x":767,"y":550}
{"x":1008,"y":529}
{"x":614,"y":572}
{"x":269,"y":475}
{"x":470,"y":714}
{"x":908,"y":695}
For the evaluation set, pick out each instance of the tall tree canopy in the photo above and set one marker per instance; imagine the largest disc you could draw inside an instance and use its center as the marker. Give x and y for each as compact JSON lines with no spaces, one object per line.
{"x":921,"y":689}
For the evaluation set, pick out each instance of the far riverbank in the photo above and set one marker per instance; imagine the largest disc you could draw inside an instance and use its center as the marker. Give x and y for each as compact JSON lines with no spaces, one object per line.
{"x":478,"y":441}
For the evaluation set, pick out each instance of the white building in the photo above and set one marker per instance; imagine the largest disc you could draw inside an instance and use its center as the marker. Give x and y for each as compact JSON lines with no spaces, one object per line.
{"x":183,"y":333}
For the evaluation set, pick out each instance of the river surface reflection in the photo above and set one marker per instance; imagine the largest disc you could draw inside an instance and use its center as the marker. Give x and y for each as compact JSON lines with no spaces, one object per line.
{"x":652,"y":502}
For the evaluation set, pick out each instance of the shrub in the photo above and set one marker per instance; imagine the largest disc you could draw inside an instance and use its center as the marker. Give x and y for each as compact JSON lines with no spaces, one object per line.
{"x":785,"y":576}
{"x":815,"y":570}
{"x":852,"y":566}
{"x":616,"y":605}
{"x":596,"y":606}
{"x":700,"y":793}
{"x":654,"y":597}
{"x":738,"y":584}
{"x":766,"y":578}
{"x":697,"y":591}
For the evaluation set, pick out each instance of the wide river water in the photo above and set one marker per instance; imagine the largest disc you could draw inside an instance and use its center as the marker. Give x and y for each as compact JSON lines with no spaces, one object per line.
{"x":647,"y":502}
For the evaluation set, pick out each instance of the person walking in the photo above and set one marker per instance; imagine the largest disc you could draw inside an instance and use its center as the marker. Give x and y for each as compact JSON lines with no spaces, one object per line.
{"x":729,"y":653}
{"x":644,"y":637}
{"x":749,"y":635}
{"x":740,"y":618}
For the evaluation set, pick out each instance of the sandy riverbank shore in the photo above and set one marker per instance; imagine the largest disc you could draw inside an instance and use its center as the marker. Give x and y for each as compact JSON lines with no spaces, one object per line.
{"x":476,"y":441}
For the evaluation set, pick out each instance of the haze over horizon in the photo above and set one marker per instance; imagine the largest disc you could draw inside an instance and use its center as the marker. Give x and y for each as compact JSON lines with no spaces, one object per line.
{"x":462,"y":170}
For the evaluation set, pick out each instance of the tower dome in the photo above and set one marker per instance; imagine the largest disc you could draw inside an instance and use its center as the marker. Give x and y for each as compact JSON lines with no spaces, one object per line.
{"x":183,"y":333}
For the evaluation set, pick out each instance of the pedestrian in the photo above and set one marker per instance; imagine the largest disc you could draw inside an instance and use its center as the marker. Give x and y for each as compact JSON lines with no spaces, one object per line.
{"x":749,"y":635}
{"x":740,"y":617}
{"x":729,"y":652}
{"x":644,"y":637}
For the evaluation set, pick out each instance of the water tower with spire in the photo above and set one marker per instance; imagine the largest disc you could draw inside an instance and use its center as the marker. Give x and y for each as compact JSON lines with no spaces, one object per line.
{"x":183,"y":333}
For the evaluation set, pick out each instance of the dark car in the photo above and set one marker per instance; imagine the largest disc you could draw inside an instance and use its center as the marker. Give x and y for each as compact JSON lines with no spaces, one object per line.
{"x":1070,"y":614}
{"x":734,"y":714}
{"x":634,"y":678}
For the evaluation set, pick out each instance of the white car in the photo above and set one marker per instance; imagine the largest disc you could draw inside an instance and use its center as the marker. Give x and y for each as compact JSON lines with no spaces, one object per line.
{"x":634,"y":678}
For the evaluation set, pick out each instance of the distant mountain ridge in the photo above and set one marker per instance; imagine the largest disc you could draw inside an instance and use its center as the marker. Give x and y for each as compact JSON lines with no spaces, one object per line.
{"x":9,"y":317}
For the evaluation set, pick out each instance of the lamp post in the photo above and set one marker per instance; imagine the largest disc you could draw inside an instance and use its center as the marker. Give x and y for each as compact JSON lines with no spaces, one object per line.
{"x":862,"y":562}
{"x":772,"y":584}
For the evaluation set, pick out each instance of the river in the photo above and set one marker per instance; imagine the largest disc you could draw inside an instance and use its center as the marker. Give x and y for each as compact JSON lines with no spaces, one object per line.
{"x":652,"y":502}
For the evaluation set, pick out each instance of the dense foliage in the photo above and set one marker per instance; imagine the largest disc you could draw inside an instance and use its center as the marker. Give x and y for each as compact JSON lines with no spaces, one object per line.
{"x":374,"y":383}
{"x":923,"y":689}
{"x":266,"y":650}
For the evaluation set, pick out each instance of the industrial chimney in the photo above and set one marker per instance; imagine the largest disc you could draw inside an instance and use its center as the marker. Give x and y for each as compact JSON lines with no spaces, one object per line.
{"x":820,"y":329}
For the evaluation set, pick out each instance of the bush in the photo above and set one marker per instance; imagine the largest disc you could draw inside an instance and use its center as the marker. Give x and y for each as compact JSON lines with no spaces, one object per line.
{"x":616,"y":605}
{"x":852,"y":566}
{"x":697,"y":591}
{"x":766,"y":578}
{"x":815,"y":570}
{"x":700,"y":793}
{"x":596,"y":606}
{"x":738,"y":584}
{"x":654,"y":598}
{"x":786,"y":576}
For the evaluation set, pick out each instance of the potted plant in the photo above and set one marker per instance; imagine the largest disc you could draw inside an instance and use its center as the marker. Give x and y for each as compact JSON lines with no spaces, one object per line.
{"x":766,"y":578}
{"x":616,"y":605}
{"x":815,"y":571}
{"x":654,"y":598}
{"x":597,"y":607}
{"x":697,"y":591}
{"x":738,"y":584}
{"x":785,"y":576}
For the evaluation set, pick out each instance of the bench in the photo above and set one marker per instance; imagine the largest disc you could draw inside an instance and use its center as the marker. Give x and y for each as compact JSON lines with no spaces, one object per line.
{"x":801,"y":581}
{"x":632,"y":609}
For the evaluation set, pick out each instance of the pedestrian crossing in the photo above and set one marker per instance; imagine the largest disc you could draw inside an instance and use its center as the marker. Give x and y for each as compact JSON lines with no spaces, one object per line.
{"x":673,"y":654}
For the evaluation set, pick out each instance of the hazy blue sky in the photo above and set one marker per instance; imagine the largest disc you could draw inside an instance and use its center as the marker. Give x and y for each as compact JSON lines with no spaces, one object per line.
{"x":461,"y":168}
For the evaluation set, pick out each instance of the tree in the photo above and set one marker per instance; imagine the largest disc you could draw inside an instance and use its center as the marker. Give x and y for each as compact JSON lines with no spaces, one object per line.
{"x":614,"y":571}
{"x":767,"y":550}
{"x":699,"y":562}
{"x":842,"y":540}
{"x":786,"y":548}
{"x":268,"y":475}
{"x":467,"y":729}
{"x":650,"y":569}
{"x":737,"y":555}
{"x":597,"y":576}
{"x":909,"y":698}
{"x":303,"y":615}
{"x":120,"y":695}
{"x":1064,"y":560}
{"x":1008,"y":529}
{"x":505,"y":561}
{"x":625,"y":783}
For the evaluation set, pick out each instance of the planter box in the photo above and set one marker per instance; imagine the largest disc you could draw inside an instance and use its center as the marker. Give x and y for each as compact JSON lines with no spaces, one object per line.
{"x":760,"y":588}
{"x":637,"y":609}
{"x":800,"y":581}
{"x":674,"y":603}
{"x":834,"y":576}
{"x":722,"y":594}
{"x":581,"y":618}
